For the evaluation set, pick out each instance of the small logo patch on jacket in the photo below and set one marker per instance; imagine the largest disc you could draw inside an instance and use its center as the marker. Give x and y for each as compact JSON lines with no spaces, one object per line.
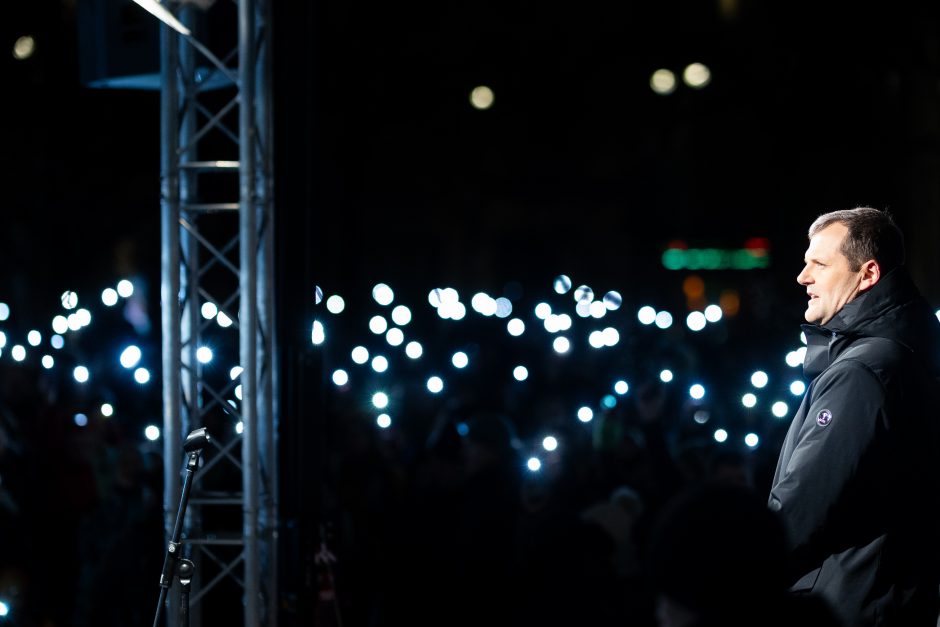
{"x":824,"y":417}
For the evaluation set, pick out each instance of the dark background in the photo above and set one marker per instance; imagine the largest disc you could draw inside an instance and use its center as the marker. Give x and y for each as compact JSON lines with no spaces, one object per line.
{"x":384,"y":172}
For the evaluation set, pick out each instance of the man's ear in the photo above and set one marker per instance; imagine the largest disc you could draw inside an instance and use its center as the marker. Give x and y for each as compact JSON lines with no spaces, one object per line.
{"x":871,"y":274}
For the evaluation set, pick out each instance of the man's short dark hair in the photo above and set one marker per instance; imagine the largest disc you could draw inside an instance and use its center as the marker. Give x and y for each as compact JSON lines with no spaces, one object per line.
{"x":872,"y":235}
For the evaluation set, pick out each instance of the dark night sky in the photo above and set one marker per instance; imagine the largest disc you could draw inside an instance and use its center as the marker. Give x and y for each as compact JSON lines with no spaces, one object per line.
{"x":579,"y":167}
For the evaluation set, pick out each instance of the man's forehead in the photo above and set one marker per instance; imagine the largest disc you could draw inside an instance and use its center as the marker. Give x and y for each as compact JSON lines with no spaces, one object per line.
{"x":827,"y":241}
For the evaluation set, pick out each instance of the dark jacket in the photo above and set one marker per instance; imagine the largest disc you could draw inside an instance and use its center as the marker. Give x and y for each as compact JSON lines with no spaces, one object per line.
{"x":857,"y":479}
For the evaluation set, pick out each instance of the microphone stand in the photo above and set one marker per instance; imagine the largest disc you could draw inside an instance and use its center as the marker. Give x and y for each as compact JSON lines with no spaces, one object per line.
{"x":173,"y":564}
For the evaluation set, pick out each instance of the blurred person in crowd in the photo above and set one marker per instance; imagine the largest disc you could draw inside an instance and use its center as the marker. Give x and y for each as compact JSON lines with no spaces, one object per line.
{"x":858,"y":472}
{"x":718,"y":558}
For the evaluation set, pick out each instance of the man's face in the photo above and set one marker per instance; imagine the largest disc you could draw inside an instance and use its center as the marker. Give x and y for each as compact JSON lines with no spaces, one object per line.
{"x":830,"y":283}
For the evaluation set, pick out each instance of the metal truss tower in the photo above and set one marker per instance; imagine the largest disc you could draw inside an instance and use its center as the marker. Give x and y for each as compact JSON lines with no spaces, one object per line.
{"x":217,"y":223}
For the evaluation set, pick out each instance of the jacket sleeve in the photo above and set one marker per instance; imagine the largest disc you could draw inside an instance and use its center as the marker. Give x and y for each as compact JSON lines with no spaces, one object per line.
{"x":820,"y":494}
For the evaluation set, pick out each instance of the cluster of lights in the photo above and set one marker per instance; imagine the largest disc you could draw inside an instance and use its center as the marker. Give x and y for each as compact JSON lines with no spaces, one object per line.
{"x":448,"y":305}
{"x":695,"y":75}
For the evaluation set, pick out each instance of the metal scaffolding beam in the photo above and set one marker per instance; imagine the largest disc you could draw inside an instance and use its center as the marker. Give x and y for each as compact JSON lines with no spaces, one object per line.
{"x":217,"y":292}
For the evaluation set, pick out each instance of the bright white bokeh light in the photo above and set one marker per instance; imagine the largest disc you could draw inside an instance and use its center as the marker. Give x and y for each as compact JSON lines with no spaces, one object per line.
{"x":749,"y":400}
{"x":751,"y":440}
{"x":224,"y":321}
{"x":383,"y":294}
{"x":109,"y":297}
{"x":69,"y":299}
{"x":803,"y":337}
{"x":152,"y":433}
{"x":379,"y":363}
{"x":713,"y":313}
{"x":57,"y":341}
{"x":459,"y":359}
{"x":551,"y":324}
{"x":378,"y":325}
{"x":483,"y":304}
{"x":759,"y":379}
{"x":720,"y":435}
{"x":562,"y":284}
{"x":663,"y":82}
{"x":401,"y":315}
{"x":549,"y":443}
{"x":435,"y":385}
{"x":107,"y":410}
{"x":696,"y":321}
{"x":317,"y":294}
{"x":239,"y":427}
{"x":583,"y":308}
{"x":584,"y":293}
{"x":563,"y":321}
{"x":3,"y":339}
{"x":80,"y":373}
{"x":81,"y":420}
{"x":125,"y":288}
{"x":435,"y":297}
{"x":697,"y":391}
{"x":534,"y":464}
{"x":793,"y":359}
{"x":482,"y":97}
{"x":449,"y":296}
{"x":235,"y":372}
{"x":516,"y":327}
{"x":204,"y":354}
{"x":452,"y":310}
{"x":360,"y":355}
{"x":209,"y":310}
{"x":665,"y":375}
{"x":380,"y":400}
{"x":4,"y":311}
{"x":395,"y":336}
{"x":130,"y":356}
{"x":74,"y":322}
{"x":238,"y":392}
{"x":317,"y":335}
{"x":621,"y":387}
{"x":598,"y":309}
{"x":141,"y":375}
{"x":60,"y":324}
{"x":520,"y":373}
{"x":696,"y":75}
{"x":663,"y":319}
{"x":585,"y":414}
{"x":335,"y":304}
{"x":613,"y":300}
{"x":340,"y":377}
{"x":414,"y":350}
{"x":596,"y":338}
{"x":84,"y":317}
{"x":611,"y":336}
{"x":34,"y":338}
{"x":561,"y":345}
{"x":779,"y":409}
{"x":48,"y":362}
{"x":797,"y":388}
{"x":384,"y":421}
{"x":18,"y":352}
{"x":543,"y":311}
{"x":503,"y":307}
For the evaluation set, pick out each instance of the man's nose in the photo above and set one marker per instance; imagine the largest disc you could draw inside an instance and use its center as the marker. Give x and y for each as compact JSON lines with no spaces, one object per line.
{"x":803,"y":277}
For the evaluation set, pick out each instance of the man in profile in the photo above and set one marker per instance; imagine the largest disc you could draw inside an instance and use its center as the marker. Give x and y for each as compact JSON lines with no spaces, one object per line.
{"x":857,"y":479}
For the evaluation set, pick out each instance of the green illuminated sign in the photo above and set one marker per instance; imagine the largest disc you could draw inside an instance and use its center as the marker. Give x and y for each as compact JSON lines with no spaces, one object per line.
{"x":715,"y":259}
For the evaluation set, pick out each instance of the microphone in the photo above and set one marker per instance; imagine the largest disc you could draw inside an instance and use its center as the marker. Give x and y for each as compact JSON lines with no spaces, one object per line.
{"x":196,"y":440}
